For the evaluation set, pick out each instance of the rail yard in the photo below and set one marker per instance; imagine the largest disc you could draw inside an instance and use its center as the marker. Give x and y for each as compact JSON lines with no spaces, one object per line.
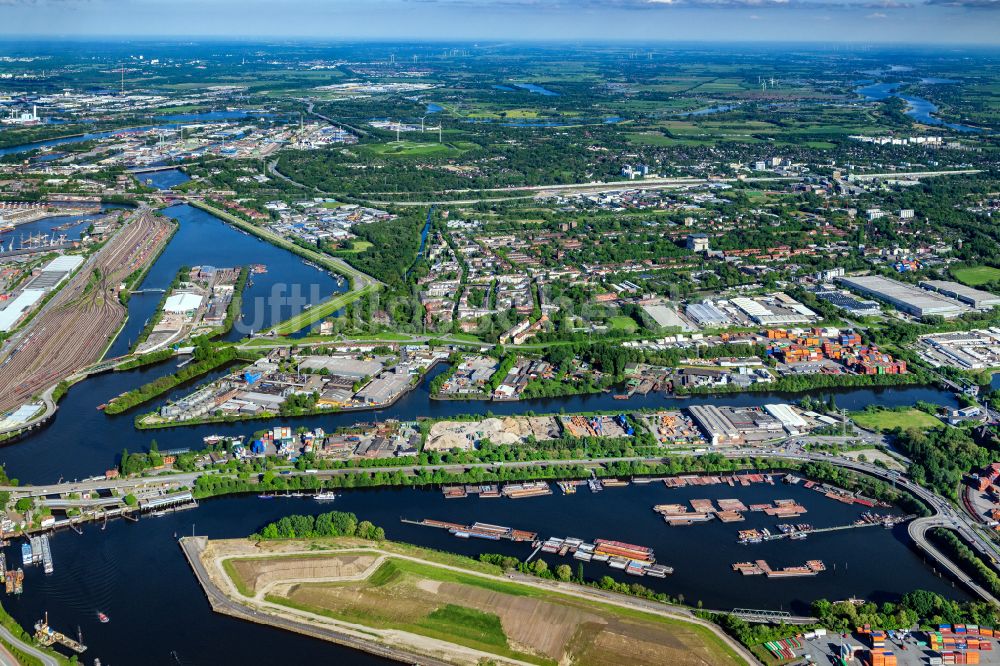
{"x":75,"y":327}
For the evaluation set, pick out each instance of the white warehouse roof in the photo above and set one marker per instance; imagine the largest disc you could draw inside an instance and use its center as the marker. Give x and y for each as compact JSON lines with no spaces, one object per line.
{"x":183,"y":302}
{"x":65,"y":263}
{"x":17,"y":307}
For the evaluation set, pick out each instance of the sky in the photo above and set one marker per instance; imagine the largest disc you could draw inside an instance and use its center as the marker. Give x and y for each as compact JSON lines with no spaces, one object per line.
{"x":964,"y":22}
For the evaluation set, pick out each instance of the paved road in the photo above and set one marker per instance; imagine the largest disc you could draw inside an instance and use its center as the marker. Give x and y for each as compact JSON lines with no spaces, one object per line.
{"x":646,"y":183}
{"x":945,"y":514}
{"x":7,"y":659}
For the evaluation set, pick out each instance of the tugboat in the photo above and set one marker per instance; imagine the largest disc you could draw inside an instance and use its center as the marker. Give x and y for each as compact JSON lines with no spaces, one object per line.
{"x":103,"y":618}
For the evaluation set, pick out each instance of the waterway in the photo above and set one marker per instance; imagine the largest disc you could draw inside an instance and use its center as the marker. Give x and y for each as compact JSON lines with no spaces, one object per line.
{"x":202,"y":239}
{"x":920,"y":109}
{"x":47,"y":225}
{"x":93,"y":569}
{"x":163,"y":180}
{"x":537,"y":89}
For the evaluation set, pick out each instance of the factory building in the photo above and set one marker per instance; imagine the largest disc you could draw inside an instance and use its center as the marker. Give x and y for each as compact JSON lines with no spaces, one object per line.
{"x":905,"y":297}
{"x":976,"y":298}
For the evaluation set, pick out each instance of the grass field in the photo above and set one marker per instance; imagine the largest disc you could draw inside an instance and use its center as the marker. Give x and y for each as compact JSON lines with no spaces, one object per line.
{"x":626,"y":324}
{"x":975,"y":276}
{"x":417,"y":149}
{"x":321,"y":311}
{"x":467,"y":608}
{"x":884,"y":420}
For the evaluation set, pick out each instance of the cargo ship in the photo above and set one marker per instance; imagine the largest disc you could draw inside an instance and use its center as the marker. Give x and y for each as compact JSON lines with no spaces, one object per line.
{"x":761,"y":567}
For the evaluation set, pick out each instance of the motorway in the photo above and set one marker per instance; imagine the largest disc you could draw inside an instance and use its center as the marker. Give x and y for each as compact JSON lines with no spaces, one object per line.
{"x":646,"y":183}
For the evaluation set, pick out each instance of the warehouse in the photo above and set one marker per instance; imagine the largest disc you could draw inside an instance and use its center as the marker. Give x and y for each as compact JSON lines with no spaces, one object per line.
{"x":854,"y":306}
{"x":342,"y":366}
{"x":789,"y":418}
{"x":707,"y":315}
{"x":905,"y":297}
{"x":16,"y":308}
{"x":182,"y":303}
{"x":977,"y":298}
{"x":735,"y":425}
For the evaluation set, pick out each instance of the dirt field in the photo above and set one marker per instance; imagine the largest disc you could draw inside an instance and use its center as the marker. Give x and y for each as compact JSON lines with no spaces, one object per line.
{"x":258,"y":574}
{"x":447,"y":435}
{"x":536,"y":627}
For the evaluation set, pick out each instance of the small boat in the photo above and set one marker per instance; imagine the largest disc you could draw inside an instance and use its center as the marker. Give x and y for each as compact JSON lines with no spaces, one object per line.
{"x":265,"y":496}
{"x":101,"y":407}
{"x":325,"y":496}
{"x":103,"y":618}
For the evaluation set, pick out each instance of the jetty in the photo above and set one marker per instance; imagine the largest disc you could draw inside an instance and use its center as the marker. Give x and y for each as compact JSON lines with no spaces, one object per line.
{"x":48,"y":637}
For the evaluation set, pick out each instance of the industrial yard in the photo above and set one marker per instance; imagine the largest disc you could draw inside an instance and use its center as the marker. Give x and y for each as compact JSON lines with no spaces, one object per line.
{"x":197,"y":304}
{"x":307,"y":380}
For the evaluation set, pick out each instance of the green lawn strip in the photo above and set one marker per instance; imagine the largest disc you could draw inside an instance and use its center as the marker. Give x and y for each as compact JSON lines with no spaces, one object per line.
{"x":884,"y":420}
{"x":443,"y":627}
{"x":321,"y":311}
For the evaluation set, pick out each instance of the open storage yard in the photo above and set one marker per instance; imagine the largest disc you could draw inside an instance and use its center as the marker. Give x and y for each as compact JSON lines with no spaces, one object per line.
{"x":451,"y":609}
{"x":76,"y":326}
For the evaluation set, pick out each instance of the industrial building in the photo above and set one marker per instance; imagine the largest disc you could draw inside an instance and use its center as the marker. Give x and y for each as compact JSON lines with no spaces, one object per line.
{"x":735,"y":425}
{"x":976,"y":298}
{"x":854,"y":306}
{"x":905,"y":297}
{"x":779,"y":310}
{"x":182,"y":302}
{"x":47,"y":279}
{"x":707,"y":315}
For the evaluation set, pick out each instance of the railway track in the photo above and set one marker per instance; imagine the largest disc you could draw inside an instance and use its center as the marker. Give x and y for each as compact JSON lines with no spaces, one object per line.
{"x":78,"y":323}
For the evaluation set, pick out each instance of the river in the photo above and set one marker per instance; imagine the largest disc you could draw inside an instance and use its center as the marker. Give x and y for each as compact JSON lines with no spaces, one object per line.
{"x":163,"y":618}
{"x":920,"y":109}
{"x":166,"y":608}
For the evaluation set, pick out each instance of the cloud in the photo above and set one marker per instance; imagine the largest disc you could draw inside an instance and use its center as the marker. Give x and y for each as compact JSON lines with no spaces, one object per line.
{"x":968,"y":4}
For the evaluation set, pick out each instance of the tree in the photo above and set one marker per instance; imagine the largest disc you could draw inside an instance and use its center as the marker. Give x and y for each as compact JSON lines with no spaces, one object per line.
{"x":24,"y":504}
{"x":564,"y":572}
{"x":130,"y":500}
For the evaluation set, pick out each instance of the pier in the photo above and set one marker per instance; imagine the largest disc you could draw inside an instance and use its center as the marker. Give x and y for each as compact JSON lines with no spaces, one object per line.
{"x":48,"y":637}
{"x":477,"y":530}
{"x":886,"y":522}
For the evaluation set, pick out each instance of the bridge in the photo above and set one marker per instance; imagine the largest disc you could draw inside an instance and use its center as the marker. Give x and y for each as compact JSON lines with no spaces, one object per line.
{"x":759,"y":616}
{"x":153,"y":169}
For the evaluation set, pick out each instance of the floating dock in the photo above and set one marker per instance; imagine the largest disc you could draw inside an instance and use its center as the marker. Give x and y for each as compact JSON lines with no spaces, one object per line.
{"x":761,"y":567}
{"x":477,"y":530}
{"x":630,"y":558}
{"x":48,"y":637}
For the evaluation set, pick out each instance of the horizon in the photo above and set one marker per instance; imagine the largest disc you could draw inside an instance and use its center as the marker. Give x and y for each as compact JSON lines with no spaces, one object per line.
{"x":938,"y":22}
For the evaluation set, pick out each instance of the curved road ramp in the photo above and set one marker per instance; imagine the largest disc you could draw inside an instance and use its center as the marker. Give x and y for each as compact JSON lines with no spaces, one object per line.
{"x":417,"y":606}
